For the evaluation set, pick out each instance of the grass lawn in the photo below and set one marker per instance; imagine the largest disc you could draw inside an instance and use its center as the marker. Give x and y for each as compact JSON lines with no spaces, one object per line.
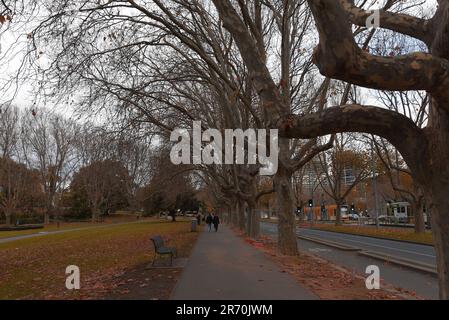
{"x":34,"y":268}
{"x":116,"y":218}
{"x":388,"y":233}
{"x":48,"y":228}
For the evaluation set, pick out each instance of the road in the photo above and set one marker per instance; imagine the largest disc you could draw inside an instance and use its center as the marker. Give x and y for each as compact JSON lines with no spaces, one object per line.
{"x":425,"y":285}
{"x":410,"y":251}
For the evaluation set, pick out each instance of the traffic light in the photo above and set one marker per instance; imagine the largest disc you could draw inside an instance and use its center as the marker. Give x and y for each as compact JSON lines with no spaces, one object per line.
{"x":310,"y":203}
{"x":352,"y":208}
{"x":298,"y":210}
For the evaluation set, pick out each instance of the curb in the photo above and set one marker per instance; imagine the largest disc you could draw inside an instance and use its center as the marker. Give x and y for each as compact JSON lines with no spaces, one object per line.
{"x":330,"y":244}
{"x":424,"y":267}
{"x":361,"y":235}
{"x":375,"y":237}
{"x":410,"y":264}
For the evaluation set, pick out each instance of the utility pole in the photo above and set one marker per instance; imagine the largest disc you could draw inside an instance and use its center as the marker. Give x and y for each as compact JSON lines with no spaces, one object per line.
{"x":374,"y":175}
{"x":311,"y":197}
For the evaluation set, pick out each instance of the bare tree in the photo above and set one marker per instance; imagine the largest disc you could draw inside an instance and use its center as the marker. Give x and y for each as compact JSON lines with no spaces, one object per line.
{"x":48,"y":146}
{"x":397,"y":171}
{"x":341,"y":169}
{"x":105,"y":184}
{"x":19,"y":187}
{"x":425,"y":150}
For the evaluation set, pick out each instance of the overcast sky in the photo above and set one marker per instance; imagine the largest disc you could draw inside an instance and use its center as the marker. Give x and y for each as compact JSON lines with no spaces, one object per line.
{"x":15,"y":40}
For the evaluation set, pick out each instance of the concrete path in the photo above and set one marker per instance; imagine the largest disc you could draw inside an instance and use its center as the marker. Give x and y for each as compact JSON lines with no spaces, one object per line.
{"x":224,"y":267}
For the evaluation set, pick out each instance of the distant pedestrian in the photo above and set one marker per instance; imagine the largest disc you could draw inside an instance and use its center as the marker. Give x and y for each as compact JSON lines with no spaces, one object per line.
{"x":209,"y":221}
{"x":172,"y":214}
{"x":198,"y":218}
{"x":216,"y":222}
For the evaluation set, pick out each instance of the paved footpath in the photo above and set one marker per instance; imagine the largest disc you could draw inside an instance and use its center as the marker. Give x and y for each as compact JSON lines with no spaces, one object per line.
{"x":224,"y":267}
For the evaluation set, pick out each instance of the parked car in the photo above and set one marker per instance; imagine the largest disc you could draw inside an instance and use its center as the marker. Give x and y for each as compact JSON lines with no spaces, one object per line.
{"x":353,"y":216}
{"x":190,"y":214}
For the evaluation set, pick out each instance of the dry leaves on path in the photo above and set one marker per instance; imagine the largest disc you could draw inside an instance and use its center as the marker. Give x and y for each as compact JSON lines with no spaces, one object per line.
{"x":325,"y":279}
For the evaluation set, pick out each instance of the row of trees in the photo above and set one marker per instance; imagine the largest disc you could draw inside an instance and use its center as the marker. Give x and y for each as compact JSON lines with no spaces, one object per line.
{"x":156,"y":65}
{"x":50,"y":164}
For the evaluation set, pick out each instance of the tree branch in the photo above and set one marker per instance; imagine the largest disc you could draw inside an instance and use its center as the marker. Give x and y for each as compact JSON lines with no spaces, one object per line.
{"x":402,"y":23}
{"x":396,"y":128}
{"x":260,"y":75}
{"x":338,"y":56}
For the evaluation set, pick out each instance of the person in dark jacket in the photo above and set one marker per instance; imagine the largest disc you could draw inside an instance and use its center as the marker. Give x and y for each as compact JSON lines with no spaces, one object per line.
{"x":209,"y":221}
{"x":216,"y":222}
{"x":172,"y":214}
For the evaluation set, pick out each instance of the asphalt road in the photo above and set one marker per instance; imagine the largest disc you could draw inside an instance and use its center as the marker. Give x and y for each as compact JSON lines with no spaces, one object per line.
{"x":425,"y":285}
{"x":410,"y":251}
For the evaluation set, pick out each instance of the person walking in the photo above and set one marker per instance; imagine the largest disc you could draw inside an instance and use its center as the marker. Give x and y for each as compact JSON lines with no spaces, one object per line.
{"x":216,"y":222}
{"x":209,"y":221}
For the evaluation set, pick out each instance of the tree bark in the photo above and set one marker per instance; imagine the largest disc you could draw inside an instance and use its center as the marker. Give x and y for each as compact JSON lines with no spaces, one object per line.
{"x":439,"y":204}
{"x":47,"y":218}
{"x":287,"y":240}
{"x":418,"y":215}
{"x":8,"y":219}
{"x":254,"y":221}
{"x":234,"y":215}
{"x":338,"y":221}
{"x":240,"y":216}
{"x":249,"y":222}
{"x":435,"y":185}
{"x":95,"y":214}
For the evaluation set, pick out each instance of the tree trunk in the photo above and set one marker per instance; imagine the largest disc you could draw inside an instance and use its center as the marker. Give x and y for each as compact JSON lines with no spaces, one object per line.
{"x":47,"y":217}
{"x":8,"y":219}
{"x":249,"y":221}
{"x":95,"y":215}
{"x":287,"y":240}
{"x":241,"y":216}
{"x":338,"y":221}
{"x":418,"y":214}
{"x":434,"y":181}
{"x":254,"y":226}
{"x":234,"y":215}
{"x":439,"y":205}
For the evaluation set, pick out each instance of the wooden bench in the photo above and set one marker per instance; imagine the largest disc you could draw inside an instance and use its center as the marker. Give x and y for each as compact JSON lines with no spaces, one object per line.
{"x":160,"y":249}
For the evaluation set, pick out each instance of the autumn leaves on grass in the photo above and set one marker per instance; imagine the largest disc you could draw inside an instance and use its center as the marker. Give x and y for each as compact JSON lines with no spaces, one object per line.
{"x":35,"y":268}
